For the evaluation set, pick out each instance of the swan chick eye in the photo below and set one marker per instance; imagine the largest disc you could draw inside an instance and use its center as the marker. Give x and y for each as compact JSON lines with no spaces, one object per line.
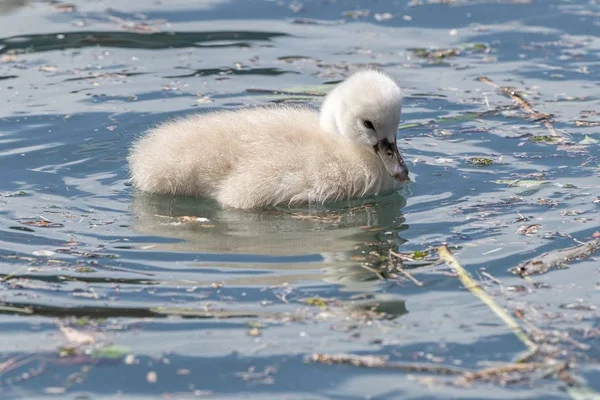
{"x":369,"y":125}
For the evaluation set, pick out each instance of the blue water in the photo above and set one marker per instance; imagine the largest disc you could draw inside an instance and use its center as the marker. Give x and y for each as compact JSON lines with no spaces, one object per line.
{"x":232,"y":307}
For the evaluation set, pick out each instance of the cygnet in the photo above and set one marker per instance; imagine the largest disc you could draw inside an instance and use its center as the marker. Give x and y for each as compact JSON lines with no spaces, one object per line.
{"x":280,"y":155}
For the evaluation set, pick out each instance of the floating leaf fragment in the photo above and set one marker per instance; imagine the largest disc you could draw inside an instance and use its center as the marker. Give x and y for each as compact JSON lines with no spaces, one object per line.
{"x":419,"y":255}
{"x":112,"y":352}
{"x":480,"y":161}
{"x":317,"y":302}
{"x":477,"y":46}
{"x":435,"y":54}
{"x":589,"y":140}
{"x":77,"y":337}
{"x":544,"y":139}
{"x":67,"y":351}
{"x":440,"y":54}
{"x":355,"y":14}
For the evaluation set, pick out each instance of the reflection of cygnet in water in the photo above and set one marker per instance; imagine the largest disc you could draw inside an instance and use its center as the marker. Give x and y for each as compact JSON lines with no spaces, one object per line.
{"x":314,"y":238}
{"x":280,"y":155}
{"x":271,"y":232}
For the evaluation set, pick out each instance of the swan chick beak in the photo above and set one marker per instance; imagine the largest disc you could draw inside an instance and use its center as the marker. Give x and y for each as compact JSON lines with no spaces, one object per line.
{"x":392,"y":160}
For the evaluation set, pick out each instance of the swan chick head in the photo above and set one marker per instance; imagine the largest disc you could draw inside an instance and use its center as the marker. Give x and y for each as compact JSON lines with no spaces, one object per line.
{"x":366,"y":109}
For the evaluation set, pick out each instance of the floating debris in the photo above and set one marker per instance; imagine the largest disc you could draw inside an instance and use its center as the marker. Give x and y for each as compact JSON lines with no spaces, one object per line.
{"x":39,"y":223}
{"x":355,"y":14}
{"x":43,"y":253}
{"x":578,"y":307}
{"x":556,"y":259}
{"x":111,"y":351}
{"x":254,"y":332}
{"x":77,"y":337}
{"x":63,"y":7}
{"x":441,"y":54}
{"x":419,"y":255}
{"x":20,"y":193}
{"x":481,"y":161}
{"x":316,"y":302}
{"x":186,"y":218}
{"x":544,"y":139}
{"x":85,"y":270}
{"x":382,"y":362}
{"x":520,"y":100}
{"x":383,"y":17}
{"x":151,"y":377}
{"x":86,"y":254}
{"x":523,"y":183}
{"x":310,"y":21}
{"x":529,"y":229}
{"x":589,"y":140}
{"x":435,"y":54}
{"x":587,"y":123}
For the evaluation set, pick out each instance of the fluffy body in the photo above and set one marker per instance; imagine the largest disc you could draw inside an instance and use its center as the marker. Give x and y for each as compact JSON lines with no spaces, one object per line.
{"x":252,"y":158}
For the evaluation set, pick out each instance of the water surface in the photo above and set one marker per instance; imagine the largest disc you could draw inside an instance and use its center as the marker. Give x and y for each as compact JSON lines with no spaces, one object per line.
{"x":231,"y":305}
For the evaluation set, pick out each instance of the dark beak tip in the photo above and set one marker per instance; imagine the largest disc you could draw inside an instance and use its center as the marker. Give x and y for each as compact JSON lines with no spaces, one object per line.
{"x":402,"y":177}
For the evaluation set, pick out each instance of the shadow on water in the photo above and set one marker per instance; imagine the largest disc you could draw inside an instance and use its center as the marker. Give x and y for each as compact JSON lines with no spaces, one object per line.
{"x":385,"y":306}
{"x":233,"y":71}
{"x":132,"y":40}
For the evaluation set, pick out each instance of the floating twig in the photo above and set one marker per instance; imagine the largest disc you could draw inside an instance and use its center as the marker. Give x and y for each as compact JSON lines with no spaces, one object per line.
{"x":373,"y":270}
{"x":400,"y":267}
{"x":556,"y":258}
{"x":464,"y":376}
{"x":494,"y":371}
{"x":382,"y":362}
{"x":518,"y":98}
{"x":475,"y":289}
{"x":576,"y":387}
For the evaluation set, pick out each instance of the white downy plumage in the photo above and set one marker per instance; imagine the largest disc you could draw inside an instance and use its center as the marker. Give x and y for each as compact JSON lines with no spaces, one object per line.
{"x":280,"y":155}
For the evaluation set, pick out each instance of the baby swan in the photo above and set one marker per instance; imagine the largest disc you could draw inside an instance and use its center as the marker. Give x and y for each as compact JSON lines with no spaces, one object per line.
{"x":280,"y":155}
